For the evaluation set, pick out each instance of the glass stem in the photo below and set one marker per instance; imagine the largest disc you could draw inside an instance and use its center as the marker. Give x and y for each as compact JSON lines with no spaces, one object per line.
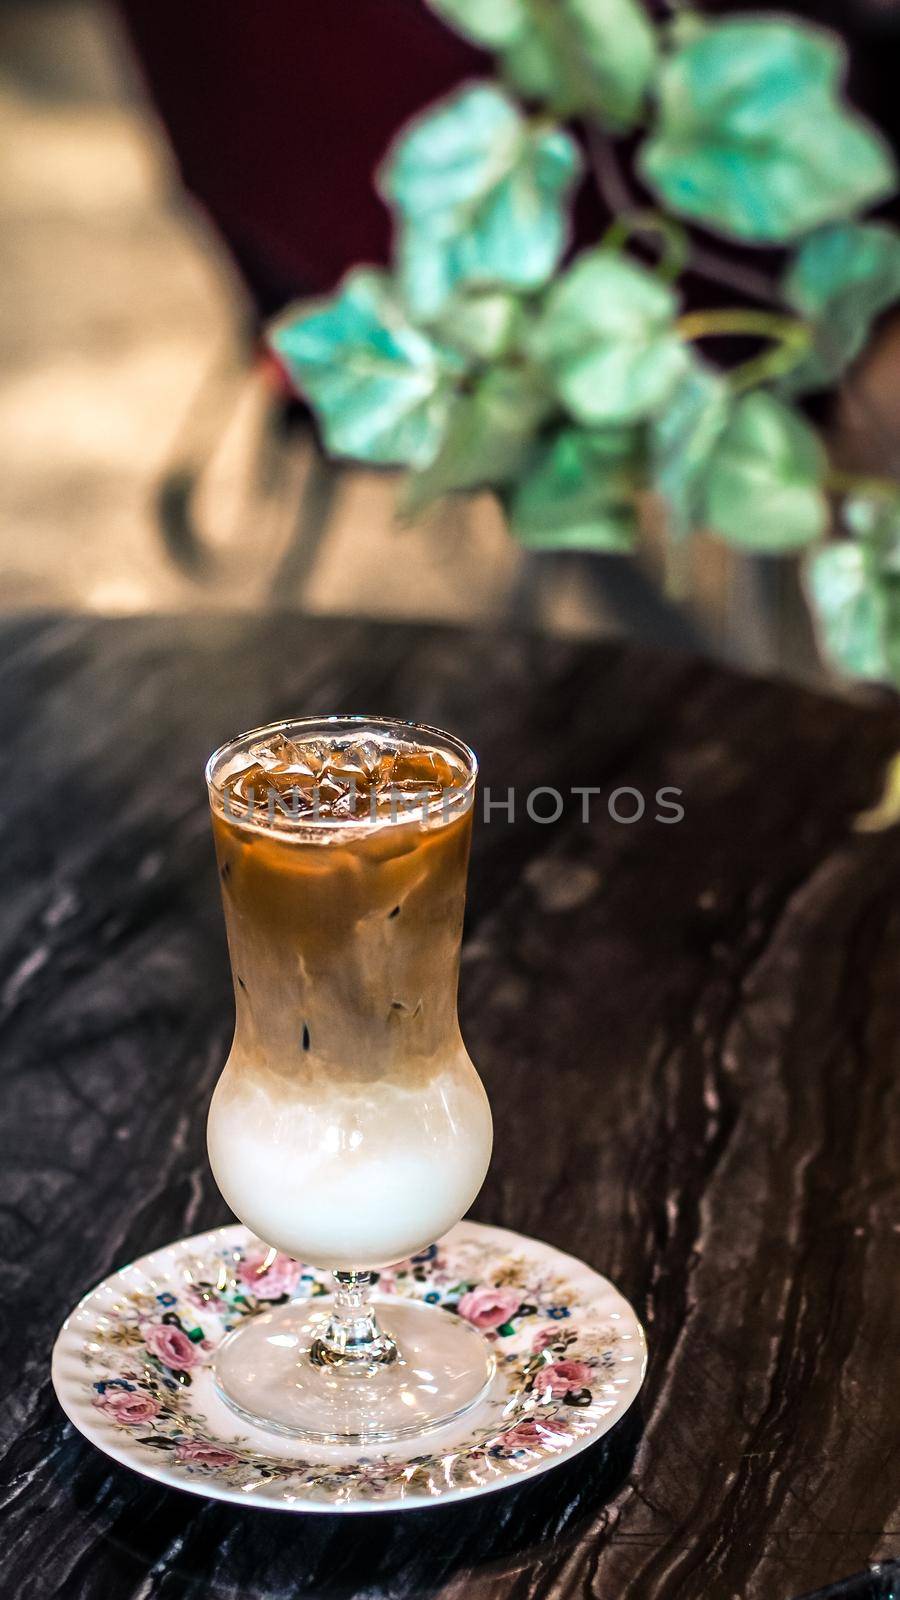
{"x":352,"y":1337}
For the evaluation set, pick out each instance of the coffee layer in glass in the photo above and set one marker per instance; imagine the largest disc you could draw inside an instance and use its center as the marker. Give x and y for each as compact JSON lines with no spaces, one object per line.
{"x":349,"y":1127}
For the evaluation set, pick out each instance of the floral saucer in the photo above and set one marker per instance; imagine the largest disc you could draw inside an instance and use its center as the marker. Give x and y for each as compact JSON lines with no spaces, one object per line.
{"x":131,"y":1370}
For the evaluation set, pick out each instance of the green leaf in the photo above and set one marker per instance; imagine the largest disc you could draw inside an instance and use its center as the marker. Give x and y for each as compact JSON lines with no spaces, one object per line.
{"x":493,"y":23}
{"x":482,"y":326}
{"x":841,"y":278}
{"x":763,"y":488}
{"x":531,"y":66}
{"x":875,"y":519}
{"x":382,"y":390}
{"x":856,"y":609}
{"x":480,"y":192}
{"x":607,"y":339}
{"x":682,"y":439}
{"x":578,"y":56}
{"x":595,"y":56}
{"x":862,"y":515}
{"x":488,"y":437}
{"x":611,"y":57}
{"x":752,"y":138}
{"x":581,"y":492}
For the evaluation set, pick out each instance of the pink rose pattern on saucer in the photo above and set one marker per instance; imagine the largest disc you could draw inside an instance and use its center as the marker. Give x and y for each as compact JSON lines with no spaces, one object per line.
{"x":556,"y":1368}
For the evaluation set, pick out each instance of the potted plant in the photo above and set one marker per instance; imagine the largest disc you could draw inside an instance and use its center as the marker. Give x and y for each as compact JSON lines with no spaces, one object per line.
{"x":579,"y":389}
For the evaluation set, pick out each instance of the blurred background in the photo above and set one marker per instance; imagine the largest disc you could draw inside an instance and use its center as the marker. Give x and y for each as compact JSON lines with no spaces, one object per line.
{"x":173,"y":173}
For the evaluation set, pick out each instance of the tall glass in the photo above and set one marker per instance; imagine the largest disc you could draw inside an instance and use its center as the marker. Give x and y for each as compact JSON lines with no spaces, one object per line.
{"x":349,"y":1127}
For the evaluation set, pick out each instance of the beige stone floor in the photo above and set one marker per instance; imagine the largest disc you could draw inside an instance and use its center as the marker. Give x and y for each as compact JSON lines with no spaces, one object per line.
{"x":116,"y":305}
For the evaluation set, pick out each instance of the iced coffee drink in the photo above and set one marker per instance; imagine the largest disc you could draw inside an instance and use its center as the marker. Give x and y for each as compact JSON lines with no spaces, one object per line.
{"x":349,"y":1127}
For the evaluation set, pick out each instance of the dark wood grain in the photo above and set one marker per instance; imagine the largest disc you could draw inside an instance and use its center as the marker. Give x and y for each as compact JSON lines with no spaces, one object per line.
{"x":688,"y":1033}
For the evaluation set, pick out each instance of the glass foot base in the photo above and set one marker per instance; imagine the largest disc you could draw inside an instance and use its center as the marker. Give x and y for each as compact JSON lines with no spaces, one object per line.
{"x":266,"y":1372}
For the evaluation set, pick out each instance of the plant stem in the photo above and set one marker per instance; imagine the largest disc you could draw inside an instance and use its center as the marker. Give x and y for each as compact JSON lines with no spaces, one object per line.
{"x":792,"y":340}
{"x":674,"y":240}
{"x":863,"y":483}
{"x":613,"y":189}
{"x":740,"y":320}
{"x":731,"y":275}
{"x":607,"y":173}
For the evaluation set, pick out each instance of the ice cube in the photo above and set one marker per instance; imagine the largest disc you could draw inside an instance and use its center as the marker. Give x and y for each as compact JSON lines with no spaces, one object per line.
{"x":343,"y":769}
{"x":366,"y":753}
{"x":254,"y":777}
{"x":280,"y":754}
{"x":274,"y":751}
{"x":349,"y":805}
{"x":328,"y":793}
{"x":383,"y":774}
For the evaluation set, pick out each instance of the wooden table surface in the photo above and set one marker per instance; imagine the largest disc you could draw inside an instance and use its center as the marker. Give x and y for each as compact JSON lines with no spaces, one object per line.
{"x":689,"y":1034}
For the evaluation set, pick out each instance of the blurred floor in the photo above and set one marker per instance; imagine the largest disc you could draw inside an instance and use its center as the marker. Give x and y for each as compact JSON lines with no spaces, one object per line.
{"x":116,"y":306}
